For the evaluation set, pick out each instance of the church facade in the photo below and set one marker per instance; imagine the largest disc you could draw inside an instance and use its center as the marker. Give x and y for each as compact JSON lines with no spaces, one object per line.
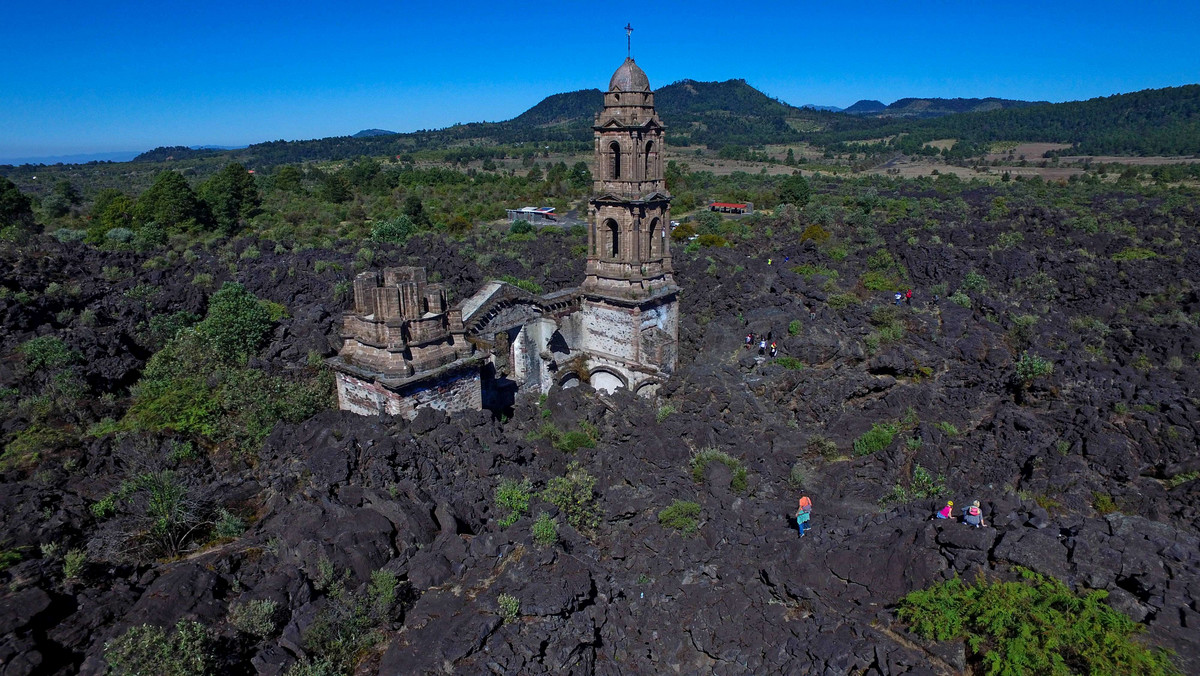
{"x":403,"y":348}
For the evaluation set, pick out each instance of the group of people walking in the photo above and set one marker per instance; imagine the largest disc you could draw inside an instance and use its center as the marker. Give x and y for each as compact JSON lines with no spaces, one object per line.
{"x":972,"y":516}
{"x":762,"y":344}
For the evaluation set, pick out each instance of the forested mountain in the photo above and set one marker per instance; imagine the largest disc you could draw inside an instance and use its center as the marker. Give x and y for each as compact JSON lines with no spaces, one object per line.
{"x":914,"y":107}
{"x":733,"y":113}
{"x":866,"y":107}
{"x":367,"y":133}
{"x":1149,"y":122}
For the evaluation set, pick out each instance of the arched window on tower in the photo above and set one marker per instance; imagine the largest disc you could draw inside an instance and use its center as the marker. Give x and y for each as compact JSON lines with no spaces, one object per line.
{"x":649,"y":161}
{"x":656,"y":235}
{"x":612,"y":238}
{"x":615,"y":157}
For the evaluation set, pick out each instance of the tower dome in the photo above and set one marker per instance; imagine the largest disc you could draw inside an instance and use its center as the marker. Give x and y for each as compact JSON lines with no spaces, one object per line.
{"x":629,"y":78}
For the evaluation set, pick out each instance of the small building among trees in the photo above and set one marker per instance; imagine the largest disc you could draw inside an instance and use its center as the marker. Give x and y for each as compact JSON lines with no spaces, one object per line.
{"x":732,"y":207}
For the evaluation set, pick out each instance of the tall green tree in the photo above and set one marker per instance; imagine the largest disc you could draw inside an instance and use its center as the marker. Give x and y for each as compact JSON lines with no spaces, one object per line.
{"x":414,"y":208}
{"x":288,"y":179}
{"x":335,"y":188}
{"x":232,"y":196}
{"x":15,"y":206}
{"x":794,"y":190}
{"x":171,"y":203}
{"x":581,"y":176}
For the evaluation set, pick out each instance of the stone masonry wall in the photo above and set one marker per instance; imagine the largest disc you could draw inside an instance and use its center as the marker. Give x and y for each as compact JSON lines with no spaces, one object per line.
{"x":460,"y":391}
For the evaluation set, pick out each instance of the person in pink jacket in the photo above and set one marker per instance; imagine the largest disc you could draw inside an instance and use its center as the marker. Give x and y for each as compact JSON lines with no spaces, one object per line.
{"x":946,"y":512}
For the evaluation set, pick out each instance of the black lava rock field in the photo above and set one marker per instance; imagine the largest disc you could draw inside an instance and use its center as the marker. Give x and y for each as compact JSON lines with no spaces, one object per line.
{"x":1054,"y":379}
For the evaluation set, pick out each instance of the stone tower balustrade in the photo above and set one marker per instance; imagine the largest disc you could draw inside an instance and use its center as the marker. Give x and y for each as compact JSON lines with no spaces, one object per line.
{"x":400,"y":324}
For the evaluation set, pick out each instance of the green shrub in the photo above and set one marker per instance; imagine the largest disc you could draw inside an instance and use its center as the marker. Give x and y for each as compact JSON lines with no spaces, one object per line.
{"x":1103,"y":503}
{"x":879,"y":281}
{"x":520,"y":227}
{"x":1030,"y":367}
{"x":164,"y":327}
{"x":9,"y":558}
{"x":236,"y":324}
{"x":147,"y":649}
{"x":512,"y":497}
{"x":664,"y":411}
{"x":794,"y":327}
{"x":394,"y":230}
{"x":257,"y":618}
{"x":947,"y":427}
{"x":1134,"y":253}
{"x":838,"y":301}
{"x":275,"y":311}
{"x":961,"y":299}
{"x":1036,"y":626}
{"x":875,"y":439}
{"x":921,"y":486}
{"x":510,"y":607}
{"x":975,"y":282}
{"x":682,"y":516}
{"x":46,"y":352}
{"x":796,"y":475}
{"x":545,"y":530}
{"x":1180,"y":479}
{"x":826,"y":448}
{"x":202,"y":279}
{"x":229,"y":525}
{"x":572,"y":494}
{"x":706,"y":456}
{"x":816,"y":233}
{"x":525,"y":284}
{"x":790,"y":363}
{"x":305,"y":666}
{"x":808,"y":271}
{"x":73,"y":562}
{"x":382,"y":592}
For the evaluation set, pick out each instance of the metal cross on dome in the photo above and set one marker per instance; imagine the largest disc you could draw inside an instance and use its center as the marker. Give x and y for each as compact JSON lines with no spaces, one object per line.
{"x":628,"y":39}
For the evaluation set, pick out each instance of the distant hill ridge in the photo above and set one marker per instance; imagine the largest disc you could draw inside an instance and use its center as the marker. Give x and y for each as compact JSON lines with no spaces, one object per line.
{"x":368,"y":133}
{"x":733,"y":113}
{"x":934,"y":107}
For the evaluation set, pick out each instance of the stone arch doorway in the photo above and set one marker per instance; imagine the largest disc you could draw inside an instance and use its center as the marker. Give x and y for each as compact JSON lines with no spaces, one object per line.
{"x":614,"y":151}
{"x":606,"y":381}
{"x":569,"y":380}
{"x":648,"y":389}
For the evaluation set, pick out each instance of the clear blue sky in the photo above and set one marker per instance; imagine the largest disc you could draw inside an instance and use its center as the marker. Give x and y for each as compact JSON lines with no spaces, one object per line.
{"x":91,"y":77}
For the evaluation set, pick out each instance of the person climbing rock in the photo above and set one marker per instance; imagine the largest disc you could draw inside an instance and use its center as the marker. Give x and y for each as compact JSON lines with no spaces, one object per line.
{"x":812,"y":312}
{"x":908,"y":297}
{"x":946,"y":512}
{"x":769,"y":261}
{"x":774,"y":350}
{"x":749,"y":339}
{"x":899,"y":297}
{"x":803,"y":513}
{"x":974,"y":515}
{"x":762,"y":346}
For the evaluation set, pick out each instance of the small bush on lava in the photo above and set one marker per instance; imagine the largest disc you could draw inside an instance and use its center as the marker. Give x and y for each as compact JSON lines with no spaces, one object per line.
{"x":682,"y":515}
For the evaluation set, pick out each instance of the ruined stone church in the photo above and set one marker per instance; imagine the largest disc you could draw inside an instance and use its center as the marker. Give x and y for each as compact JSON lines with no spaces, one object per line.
{"x":404,"y":348}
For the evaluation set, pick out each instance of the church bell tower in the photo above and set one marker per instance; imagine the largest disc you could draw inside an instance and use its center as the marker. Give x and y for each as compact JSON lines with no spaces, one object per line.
{"x":630,"y":209}
{"x":630,"y":306}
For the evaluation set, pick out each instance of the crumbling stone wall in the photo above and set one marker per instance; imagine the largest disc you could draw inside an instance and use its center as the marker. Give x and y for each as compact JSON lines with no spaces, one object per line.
{"x":457,"y":391}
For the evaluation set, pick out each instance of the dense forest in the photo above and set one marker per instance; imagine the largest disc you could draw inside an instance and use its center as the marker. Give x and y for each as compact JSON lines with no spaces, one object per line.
{"x":1149,"y":122}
